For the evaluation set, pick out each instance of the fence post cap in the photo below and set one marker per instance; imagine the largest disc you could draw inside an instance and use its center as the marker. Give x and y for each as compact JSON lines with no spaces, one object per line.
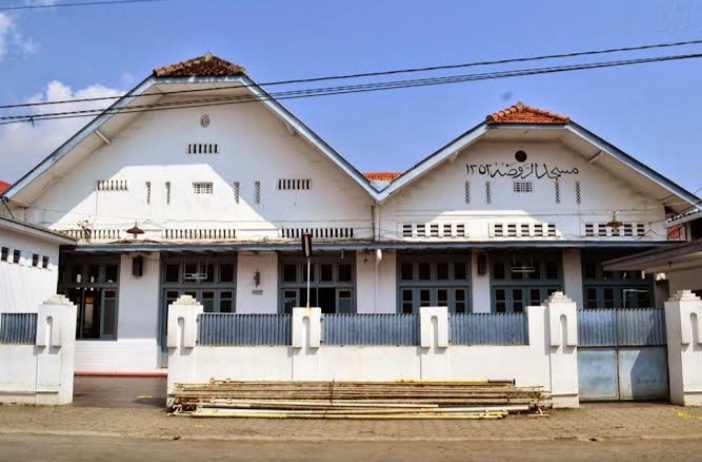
{"x":58,"y":299}
{"x":684,"y":296}
{"x":185,"y":300}
{"x":558,"y":297}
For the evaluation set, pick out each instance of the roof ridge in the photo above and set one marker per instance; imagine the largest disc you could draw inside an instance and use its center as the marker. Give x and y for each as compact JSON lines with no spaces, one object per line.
{"x":207,"y":65}
{"x":521,"y":113}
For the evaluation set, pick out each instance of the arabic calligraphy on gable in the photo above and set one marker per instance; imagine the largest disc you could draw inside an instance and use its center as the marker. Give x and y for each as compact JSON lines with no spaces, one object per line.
{"x":520,"y":171}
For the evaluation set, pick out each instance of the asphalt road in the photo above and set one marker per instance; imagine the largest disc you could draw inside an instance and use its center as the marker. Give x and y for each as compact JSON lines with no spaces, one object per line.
{"x":31,"y":448}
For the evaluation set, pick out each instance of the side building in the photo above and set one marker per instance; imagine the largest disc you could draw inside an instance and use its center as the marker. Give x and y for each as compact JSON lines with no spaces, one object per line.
{"x":209,"y":197}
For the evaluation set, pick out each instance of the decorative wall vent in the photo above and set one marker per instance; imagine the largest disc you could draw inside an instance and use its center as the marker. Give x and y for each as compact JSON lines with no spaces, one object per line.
{"x":522,"y":230}
{"x":294,"y":184}
{"x":203,"y":188}
{"x":488,"y":193}
{"x":112,"y":185}
{"x":433,"y":230}
{"x":199,"y":234}
{"x":557,"y":186}
{"x":578,"y":194}
{"x":168,"y":192}
{"x":148,"y":192}
{"x":523,"y":186}
{"x":85,"y":234}
{"x":625,"y":230}
{"x":318,"y":233}
{"x":257,"y":191}
{"x":467,"y":192}
{"x":203,"y":148}
{"x":237,"y":192}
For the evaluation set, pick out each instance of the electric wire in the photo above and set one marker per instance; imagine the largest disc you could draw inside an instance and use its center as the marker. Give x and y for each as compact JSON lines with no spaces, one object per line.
{"x":384,"y":73}
{"x":77,"y":4}
{"x":340,"y":90}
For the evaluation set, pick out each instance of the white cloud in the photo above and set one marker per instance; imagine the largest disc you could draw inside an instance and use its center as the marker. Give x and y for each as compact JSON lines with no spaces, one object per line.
{"x":11,"y":40}
{"x":24,"y":145}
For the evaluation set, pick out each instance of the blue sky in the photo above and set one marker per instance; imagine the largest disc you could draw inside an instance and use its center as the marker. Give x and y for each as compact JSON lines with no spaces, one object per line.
{"x":650,"y":111}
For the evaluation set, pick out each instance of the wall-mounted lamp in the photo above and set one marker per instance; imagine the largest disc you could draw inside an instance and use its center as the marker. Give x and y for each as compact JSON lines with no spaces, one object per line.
{"x":138,"y":266}
{"x":482,"y":263}
{"x":135,"y":230}
{"x":257,"y":278}
{"x":614,"y":224}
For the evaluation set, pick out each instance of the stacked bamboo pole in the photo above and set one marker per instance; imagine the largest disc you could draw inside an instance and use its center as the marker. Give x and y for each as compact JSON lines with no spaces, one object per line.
{"x":476,"y":399}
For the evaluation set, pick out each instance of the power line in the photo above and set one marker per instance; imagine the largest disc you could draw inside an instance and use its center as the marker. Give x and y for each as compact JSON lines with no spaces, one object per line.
{"x":338,"y":90}
{"x":387,"y":72}
{"x":77,"y":4}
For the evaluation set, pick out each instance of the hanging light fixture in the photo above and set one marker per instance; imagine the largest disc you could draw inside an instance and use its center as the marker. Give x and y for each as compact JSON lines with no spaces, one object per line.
{"x":135,"y":230}
{"x":614,"y":223}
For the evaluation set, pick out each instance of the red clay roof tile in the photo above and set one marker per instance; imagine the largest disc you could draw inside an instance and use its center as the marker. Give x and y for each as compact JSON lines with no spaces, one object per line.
{"x":382,"y":176}
{"x":202,"y":66}
{"x":4,"y":186}
{"x":520,"y":114}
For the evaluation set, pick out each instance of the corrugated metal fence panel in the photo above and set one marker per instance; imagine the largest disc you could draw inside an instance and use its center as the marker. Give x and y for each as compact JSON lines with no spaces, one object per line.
{"x":370,"y":329}
{"x":641,"y":327}
{"x":18,"y":328}
{"x":621,"y":327}
{"x":489,"y":329}
{"x":227,"y":329}
{"x":597,"y":327}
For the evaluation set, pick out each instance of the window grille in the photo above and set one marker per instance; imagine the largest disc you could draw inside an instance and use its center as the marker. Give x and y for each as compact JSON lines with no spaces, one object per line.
{"x":203,"y":188}
{"x":523,"y":186}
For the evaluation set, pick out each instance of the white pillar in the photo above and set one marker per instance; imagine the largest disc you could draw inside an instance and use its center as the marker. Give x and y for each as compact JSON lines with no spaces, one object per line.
{"x":562,"y":345}
{"x":306,"y":342}
{"x":433,"y":343}
{"x":182,"y":341}
{"x":683,"y":320}
{"x":55,"y":341}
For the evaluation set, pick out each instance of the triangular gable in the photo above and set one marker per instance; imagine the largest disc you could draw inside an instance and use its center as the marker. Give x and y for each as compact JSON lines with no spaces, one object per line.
{"x":521,"y":115}
{"x":205,"y":69}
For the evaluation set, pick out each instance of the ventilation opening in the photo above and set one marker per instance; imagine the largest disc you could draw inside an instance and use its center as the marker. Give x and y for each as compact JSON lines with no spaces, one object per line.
{"x":294,"y":184}
{"x":112,"y":185}
{"x":203,"y":148}
{"x":203,"y":188}
{"x":523,"y":186}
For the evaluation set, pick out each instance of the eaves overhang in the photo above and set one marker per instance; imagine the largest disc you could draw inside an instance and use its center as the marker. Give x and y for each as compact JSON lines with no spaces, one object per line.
{"x":35,"y":231}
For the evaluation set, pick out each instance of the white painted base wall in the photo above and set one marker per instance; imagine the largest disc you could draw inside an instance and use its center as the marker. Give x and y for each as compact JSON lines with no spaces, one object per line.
{"x":128,"y":356}
{"x":42,"y":373}
{"x":550,"y":359}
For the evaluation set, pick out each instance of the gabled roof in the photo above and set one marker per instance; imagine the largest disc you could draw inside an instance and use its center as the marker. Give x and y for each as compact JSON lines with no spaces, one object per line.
{"x":520,"y":113}
{"x":521,"y":116}
{"x":202,"y":66}
{"x":4,"y":186}
{"x":209,"y":70}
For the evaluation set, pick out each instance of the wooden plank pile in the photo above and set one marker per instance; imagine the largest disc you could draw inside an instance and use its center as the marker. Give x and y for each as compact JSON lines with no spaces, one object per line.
{"x":482,"y":399}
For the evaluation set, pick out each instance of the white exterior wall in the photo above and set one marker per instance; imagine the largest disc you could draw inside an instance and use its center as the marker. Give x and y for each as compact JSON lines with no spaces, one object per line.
{"x":261,"y":299}
{"x":573,"y":276}
{"x":136,"y":349}
{"x":439,"y":196}
{"x":368,"y":271}
{"x":24,"y":287}
{"x":480,"y":287}
{"x":253,"y":146}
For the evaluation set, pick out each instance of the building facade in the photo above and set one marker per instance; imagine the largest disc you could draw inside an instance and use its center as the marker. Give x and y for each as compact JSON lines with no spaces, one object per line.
{"x":209,"y":197}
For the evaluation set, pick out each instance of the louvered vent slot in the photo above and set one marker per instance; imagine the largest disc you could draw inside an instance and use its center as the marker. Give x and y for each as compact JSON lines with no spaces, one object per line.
{"x":628,"y":230}
{"x":199,"y":234}
{"x":589,"y":230}
{"x":203,"y":148}
{"x":523,"y":186}
{"x":289,"y":184}
{"x":523,"y":230}
{"x":112,"y":185}
{"x":317,"y":233}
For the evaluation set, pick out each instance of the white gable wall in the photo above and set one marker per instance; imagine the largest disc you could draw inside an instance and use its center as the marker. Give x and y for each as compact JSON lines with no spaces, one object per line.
{"x":253,"y":146}
{"x":440,"y":196}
